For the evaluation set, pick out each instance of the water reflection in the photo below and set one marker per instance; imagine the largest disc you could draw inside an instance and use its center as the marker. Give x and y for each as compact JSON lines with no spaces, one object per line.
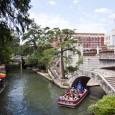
{"x":27,"y":93}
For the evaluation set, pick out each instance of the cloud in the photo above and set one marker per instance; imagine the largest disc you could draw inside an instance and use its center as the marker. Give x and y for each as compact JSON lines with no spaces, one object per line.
{"x":91,"y":28}
{"x":103,"y":10}
{"x":112,"y":16}
{"x":54,"y":21}
{"x":91,"y":25}
{"x":75,"y":1}
{"x":51,"y":21}
{"x":86,"y":14}
{"x":51,"y":2}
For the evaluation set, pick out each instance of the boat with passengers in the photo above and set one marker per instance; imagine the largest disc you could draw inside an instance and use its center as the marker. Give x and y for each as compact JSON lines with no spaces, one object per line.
{"x":2,"y":77}
{"x":73,"y":96}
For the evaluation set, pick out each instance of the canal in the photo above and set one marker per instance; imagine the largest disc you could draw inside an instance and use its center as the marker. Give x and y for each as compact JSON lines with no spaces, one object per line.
{"x":27,"y":93}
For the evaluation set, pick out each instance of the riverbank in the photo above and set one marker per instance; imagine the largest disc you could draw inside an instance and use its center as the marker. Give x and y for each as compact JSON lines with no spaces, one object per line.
{"x":62,"y":83}
{"x":58,"y":82}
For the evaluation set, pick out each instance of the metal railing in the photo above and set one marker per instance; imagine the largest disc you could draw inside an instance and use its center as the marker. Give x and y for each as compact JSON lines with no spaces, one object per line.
{"x":107,"y":56}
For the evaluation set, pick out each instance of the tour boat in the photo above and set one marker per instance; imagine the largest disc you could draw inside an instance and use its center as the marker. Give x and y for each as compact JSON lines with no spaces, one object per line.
{"x":2,"y":75}
{"x":74,"y":102}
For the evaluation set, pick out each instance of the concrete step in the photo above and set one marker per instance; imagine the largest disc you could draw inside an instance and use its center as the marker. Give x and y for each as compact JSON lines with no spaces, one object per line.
{"x":111,"y":81}
{"x":110,"y":78}
{"x":53,"y":73}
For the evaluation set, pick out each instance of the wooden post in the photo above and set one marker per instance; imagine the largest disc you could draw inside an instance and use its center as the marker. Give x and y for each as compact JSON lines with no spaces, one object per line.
{"x":21,"y":62}
{"x":81,"y":49}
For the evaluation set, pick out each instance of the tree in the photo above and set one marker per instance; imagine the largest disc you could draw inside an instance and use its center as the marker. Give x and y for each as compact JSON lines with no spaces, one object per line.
{"x":40,"y":39}
{"x":105,"y":106}
{"x":5,"y":46}
{"x":36,"y":36}
{"x":13,"y":18}
{"x":49,"y":55}
{"x":15,"y":13}
{"x":37,"y":39}
{"x":32,"y":35}
{"x":65,"y":44}
{"x":70,"y":69}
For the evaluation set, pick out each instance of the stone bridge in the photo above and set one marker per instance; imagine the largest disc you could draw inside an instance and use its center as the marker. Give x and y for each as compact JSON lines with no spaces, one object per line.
{"x":105,"y":78}
{"x":94,"y":68}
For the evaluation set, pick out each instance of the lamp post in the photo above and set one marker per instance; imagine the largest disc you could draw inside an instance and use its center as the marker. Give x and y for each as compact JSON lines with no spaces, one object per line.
{"x":97,"y":50}
{"x":114,"y":49}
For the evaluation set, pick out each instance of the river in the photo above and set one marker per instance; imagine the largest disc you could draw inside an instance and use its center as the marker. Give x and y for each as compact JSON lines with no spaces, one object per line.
{"x":27,"y":93}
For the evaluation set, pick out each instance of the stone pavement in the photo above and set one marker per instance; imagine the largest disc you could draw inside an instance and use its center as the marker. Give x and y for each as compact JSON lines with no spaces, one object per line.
{"x":105,"y":73}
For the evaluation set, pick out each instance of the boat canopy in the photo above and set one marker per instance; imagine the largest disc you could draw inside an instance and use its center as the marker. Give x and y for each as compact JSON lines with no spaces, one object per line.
{"x":2,"y":71}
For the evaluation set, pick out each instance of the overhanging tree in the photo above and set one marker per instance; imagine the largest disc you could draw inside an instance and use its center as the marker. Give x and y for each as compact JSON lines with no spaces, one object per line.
{"x":15,"y":13}
{"x":13,"y":19}
{"x":38,"y":39}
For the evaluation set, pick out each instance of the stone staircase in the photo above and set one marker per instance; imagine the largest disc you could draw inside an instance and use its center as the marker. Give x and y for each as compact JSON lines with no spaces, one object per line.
{"x":53,"y":73}
{"x":111,"y":81}
{"x":90,"y":62}
{"x":109,"y":76}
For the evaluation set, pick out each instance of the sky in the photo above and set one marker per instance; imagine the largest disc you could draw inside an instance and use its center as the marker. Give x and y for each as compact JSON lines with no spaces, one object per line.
{"x":86,"y":16}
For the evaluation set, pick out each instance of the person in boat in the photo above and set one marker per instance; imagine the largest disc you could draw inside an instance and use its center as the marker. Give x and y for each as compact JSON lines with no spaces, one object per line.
{"x":85,"y":90}
{"x":79,"y":87}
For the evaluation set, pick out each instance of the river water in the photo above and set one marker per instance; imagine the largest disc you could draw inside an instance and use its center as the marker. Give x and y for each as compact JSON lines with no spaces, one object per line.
{"x":27,"y":93}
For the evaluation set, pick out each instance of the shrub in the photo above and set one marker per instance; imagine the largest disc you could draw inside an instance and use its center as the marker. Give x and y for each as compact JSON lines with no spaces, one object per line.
{"x":105,"y":106}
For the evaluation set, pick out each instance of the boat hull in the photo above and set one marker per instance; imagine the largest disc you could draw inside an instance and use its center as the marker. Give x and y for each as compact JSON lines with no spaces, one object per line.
{"x":74,"y":103}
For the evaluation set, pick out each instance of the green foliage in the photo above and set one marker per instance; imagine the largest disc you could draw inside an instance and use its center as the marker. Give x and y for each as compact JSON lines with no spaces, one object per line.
{"x":80,"y":61}
{"x":24,"y":50}
{"x":39,"y":39}
{"x":49,"y":56}
{"x":5,"y":43}
{"x":5,"y":53}
{"x":66,"y":43}
{"x":34,"y":58}
{"x":15,"y":12}
{"x":106,"y":106}
{"x":13,"y":18}
{"x":70,"y":69}
{"x":15,"y":45}
{"x":41,"y":58}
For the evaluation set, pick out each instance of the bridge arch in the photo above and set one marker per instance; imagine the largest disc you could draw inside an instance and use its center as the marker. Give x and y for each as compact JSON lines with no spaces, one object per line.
{"x":84,"y":76}
{"x":84,"y":80}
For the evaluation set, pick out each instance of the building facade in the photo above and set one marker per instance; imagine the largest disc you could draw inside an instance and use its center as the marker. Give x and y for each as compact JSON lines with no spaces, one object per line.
{"x":110,"y":38}
{"x":90,"y":41}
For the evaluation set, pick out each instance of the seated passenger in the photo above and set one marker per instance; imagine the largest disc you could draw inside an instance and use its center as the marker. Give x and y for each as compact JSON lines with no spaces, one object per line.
{"x":85,"y":90}
{"x":70,"y":98}
{"x":78,"y":96}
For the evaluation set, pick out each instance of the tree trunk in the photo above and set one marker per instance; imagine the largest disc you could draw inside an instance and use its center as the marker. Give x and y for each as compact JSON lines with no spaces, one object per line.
{"x":62,"y":66}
